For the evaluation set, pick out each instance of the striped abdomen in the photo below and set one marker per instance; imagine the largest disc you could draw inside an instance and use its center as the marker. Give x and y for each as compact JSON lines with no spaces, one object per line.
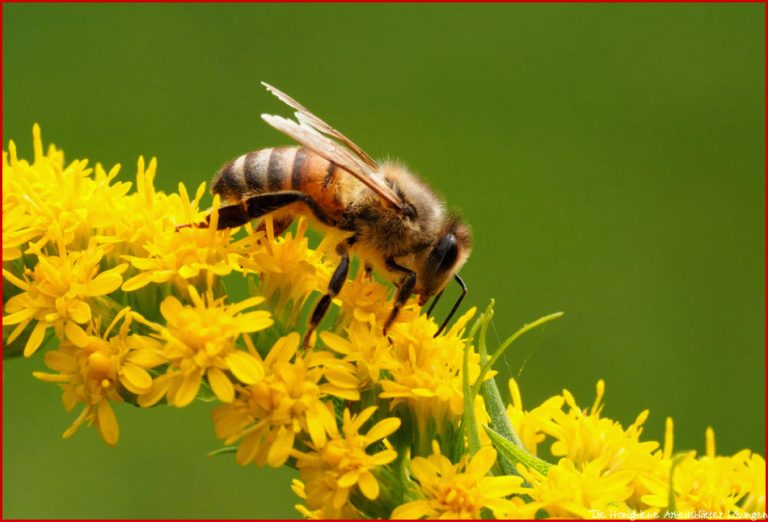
{"x":280,"y":169}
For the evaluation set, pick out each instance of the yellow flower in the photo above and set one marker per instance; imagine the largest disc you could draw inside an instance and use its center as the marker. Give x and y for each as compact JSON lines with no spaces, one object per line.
{"x":18,"y":227}
{"x":51,"y":203}
{"x":347,"y":511}
{"x":177,"y":255}
{"x":530,"y":426}
{"x":200,"y":341}
{"x":104,"y":369}
{"x":583,"y":437}
{"x":364,"y":300}
{"x":459,"y":491}
{"x":427,"y":376}
{"x":366,"y":353}
{"x":270,"y":414}
{"x":59,"y":293}
{"x":713,"y":484}
{"x":568,"y":492}
{"x":288,"y":269}
{"x":332,"y":470}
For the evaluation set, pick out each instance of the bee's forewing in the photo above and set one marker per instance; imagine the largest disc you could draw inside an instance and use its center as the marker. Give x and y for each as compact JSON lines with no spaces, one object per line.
{"x":311,"y":138}
{"x":308,"y":119}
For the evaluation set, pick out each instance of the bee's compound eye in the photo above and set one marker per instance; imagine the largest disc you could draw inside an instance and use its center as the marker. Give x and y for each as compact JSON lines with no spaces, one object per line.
{"x":445,"y":253}
{"x":409,"y":211}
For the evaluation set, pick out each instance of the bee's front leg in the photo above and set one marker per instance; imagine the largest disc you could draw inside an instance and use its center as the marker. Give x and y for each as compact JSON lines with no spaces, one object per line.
{"x":334,"y":287}
{"x":403,"y":292}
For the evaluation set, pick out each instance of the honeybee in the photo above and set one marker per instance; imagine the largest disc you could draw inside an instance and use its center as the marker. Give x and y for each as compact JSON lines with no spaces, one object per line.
{"x":395,"y":221}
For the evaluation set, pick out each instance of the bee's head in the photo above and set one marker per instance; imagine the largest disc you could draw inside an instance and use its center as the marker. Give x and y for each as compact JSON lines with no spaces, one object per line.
{"x":443,"y":259}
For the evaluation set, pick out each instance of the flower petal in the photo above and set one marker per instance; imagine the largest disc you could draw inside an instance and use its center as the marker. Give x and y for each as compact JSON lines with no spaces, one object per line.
{"x":104,"y":283}
{"x":412,"y":510}
{"x":383,"y":429}
{"x":369,"y":486}
{"x":245,"y":367}
{"x":136,"y":379}
{"x":107,"y":422}
{"x":281,"y":448}
{"x":254,"y":321}
{"x":76,"y":334}
{"x":190,"y":384}
{"x":221,"y":385}
{"x":35,"y":339}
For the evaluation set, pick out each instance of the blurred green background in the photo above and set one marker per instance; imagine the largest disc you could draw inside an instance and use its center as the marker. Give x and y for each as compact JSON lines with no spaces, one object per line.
{"x":609,"y":157}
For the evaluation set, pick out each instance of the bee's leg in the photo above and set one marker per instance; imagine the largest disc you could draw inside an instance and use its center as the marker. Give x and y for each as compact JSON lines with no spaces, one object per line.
{"x":334,"y":287}
{"x":230,"y":216}
{"x":403,"y":292}
{"x":259,"y":205}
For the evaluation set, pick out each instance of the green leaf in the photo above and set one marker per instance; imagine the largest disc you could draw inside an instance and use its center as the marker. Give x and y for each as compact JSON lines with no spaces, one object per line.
{"x":516,"y":455}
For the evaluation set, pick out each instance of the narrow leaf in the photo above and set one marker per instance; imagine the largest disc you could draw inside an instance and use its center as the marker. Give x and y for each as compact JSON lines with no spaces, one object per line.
{"x":515,"y":454}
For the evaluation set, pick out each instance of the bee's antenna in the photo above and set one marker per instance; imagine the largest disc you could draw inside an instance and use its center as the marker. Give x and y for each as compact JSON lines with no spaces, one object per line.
{"x":455,"y":305}
{"x":434,"y":302}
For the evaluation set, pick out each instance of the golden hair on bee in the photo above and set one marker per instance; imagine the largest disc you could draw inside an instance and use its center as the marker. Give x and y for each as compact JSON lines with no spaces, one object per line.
{"x":394,"y":221}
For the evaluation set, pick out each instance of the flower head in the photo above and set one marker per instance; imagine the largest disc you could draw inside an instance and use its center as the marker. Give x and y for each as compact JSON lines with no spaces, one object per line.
{"x":712,"y":484}
{"x":568,"y":491}
{"x":104,"y":369}
{"x":427,"y":374}
{"x":288,"y":269}
{"x":59,"y":293}
{"x":459,"y":491}
{"x":269,"y":415}
{"x":364,"y":300}
{"x":342,"y":463}
{"x":50,"y":203}
{"x":200,"y":342}
{"x":365,"y":351}
{"x":169,"y":251}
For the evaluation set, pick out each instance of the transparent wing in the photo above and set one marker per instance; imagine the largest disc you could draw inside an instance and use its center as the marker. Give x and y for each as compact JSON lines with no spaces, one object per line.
{"x":332,"y":151}
{"x":308,"y":119}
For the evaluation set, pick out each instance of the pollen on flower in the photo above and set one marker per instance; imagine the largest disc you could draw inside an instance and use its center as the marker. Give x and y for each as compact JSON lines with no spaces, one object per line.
{"x":364,"y":300}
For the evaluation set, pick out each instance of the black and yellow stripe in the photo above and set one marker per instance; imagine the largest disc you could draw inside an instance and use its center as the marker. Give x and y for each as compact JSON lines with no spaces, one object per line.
{"x":280,"y":169}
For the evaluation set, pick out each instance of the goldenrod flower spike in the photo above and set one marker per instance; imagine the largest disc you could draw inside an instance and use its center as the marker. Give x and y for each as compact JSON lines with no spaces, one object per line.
{"x":130,"y":306}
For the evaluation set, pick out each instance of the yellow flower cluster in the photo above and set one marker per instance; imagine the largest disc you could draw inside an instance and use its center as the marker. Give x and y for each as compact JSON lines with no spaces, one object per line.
{"x":129,"y":305}
{"x":606,"y":471}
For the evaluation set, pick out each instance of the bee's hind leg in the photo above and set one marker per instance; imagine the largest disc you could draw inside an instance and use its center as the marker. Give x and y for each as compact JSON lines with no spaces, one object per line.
{"x":404,"y":291}
{"x":334,"y":287}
